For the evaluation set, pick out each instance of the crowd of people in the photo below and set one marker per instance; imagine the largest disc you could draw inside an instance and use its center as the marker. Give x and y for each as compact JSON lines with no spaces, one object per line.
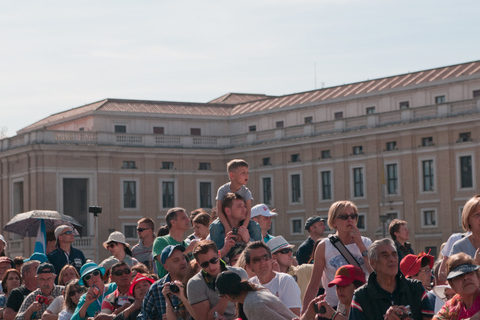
{"x":230,"y":267}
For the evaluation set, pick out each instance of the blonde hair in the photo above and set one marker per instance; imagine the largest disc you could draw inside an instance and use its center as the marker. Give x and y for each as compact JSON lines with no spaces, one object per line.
{"x":337,"y":209}
{"x":468,"y":210}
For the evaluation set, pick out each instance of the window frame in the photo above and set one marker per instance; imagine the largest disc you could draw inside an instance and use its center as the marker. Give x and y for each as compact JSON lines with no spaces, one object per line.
{"x":262,"y":191}
{"x":129,"y":224}
{"x":458,"y":170}
{"x":387,"y":177}
{"x":320,"y":183}
{"x":137,"y":194}
{"x":290,"y":188}
{"x":423,"y":176}
{"x":435,"y":212}
{"x":302,"y":223}
{"x":353,"y":182}
{"x":199,"y":195}
{"x":175,"y":192}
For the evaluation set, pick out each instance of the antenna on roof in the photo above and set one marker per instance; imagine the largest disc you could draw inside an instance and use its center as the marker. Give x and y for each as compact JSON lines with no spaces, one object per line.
{"x":315,"y":73}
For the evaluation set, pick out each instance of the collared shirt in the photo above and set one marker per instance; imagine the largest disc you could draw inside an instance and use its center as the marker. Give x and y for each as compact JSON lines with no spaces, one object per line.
{"x":143,"y":253}
{"x":59,"y":258}
{"x":371,"y":301}
{"x":57,"y":291}
{"x":267,"y":238}
{"x":154,"y":304}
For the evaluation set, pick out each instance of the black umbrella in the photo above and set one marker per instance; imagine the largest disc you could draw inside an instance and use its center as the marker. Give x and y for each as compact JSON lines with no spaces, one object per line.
{"x":27,"y":224}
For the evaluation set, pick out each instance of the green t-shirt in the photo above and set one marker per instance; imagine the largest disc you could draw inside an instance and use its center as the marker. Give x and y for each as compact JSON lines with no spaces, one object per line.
{"x":158,"y":245}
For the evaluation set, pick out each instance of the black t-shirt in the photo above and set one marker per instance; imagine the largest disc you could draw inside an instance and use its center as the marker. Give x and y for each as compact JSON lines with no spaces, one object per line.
{"x":16,"y":297}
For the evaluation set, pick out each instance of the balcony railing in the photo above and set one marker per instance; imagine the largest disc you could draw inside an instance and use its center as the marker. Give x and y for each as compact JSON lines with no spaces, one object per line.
{"x":305,"y":130}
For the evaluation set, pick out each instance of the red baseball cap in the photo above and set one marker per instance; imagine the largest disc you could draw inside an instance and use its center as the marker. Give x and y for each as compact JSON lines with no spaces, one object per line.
{"x":411,"y":264}
{"x":346,"y":275}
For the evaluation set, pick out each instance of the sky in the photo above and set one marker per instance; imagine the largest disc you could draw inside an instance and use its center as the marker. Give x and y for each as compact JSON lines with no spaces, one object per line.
{"x":58,"y":55}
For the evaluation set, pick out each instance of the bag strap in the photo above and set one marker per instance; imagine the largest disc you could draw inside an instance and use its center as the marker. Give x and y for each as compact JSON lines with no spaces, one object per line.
{"x":337,"y":243}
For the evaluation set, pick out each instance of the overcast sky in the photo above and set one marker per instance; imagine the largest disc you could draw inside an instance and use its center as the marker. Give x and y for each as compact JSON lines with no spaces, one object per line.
{"x":57,"y":55}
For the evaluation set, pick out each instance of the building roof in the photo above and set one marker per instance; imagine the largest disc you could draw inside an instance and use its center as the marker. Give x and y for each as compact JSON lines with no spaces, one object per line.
{"x":236,"y":98}
{"x":244,"y":103}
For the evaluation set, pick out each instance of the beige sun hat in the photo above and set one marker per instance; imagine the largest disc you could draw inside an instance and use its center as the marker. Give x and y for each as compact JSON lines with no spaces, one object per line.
{"x":117,"y":237}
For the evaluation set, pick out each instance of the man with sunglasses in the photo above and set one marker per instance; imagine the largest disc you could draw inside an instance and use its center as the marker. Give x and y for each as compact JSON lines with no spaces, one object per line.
{"x":203,"y":298}
{"x":64,"y":253}
{"x":259,"y":259}
{"x":142,"y":251}
{"x":122,"y":276}
{"x":155,"y":302}
{"x":283,"y":255}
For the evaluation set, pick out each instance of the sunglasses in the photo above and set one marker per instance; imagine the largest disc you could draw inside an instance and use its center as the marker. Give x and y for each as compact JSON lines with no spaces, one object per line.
{"x":142,"y":229}
{"x":111,"y":245}
{"x":205,"y":264}
{"x":265,"y":257}
{"x":92,"y":274}
{"x":285,"y":251}
{"x":118,"y":273}
{"x":353,"y":216}
{"x":74,"y":292}
{"x":69,"y":232}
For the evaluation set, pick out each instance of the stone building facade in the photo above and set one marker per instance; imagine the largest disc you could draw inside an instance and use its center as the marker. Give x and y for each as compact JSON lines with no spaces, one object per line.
{"x":404,"y":146}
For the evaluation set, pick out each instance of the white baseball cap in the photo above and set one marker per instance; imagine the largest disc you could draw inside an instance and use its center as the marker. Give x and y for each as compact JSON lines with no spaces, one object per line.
{"x":262,"y":210}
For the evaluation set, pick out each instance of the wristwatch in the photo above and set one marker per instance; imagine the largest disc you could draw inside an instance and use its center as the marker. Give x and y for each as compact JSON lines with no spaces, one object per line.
{"x":365,"y":253}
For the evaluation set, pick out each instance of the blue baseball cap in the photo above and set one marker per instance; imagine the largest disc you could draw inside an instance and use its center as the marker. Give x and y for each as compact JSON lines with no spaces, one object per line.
{"x":37,"y":256}
{"x":168,"y":250}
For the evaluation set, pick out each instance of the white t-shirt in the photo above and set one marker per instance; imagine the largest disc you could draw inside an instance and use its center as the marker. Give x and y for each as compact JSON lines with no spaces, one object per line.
{"x":57,"y":305}
{"x":334,"y":260}
{"x":284,"y":287}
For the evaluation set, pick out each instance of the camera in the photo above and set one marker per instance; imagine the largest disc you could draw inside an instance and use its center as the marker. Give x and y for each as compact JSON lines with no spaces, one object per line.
{"x":41,"y":299}
{"x":235,"y":231}
{"x":95,"y":291}
{"x":174,"y":288}
{"x":322,"y":309}
{"x":405,"y":314}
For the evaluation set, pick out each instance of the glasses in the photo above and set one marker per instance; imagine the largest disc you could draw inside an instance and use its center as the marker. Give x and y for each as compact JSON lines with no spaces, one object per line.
{"x":142,"y":229}
{"x":69,"y":232}
{"x":353,"y":216}
{"x":265,"y":257}
{"x":111,"y":245}
{"x":285,"y":251}
{"x":205,"y":264}
{"x":118,"y":273}
{"x":426,"y":270}
{"x":90,"y":275}
{"x":74,"y":292}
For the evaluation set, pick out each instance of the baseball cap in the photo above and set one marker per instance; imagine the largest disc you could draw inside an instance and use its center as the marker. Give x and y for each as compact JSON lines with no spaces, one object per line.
{"x":262,"y":210}
{"x":7,"y":260}
{"x":168,"y":250}
{"x":312,"y":220}
{"x":45,"y":268}
{"x":411,"y":264}
{"x":59,"y":230}
{"x":38,"y":256}
{"x":346,"y":275}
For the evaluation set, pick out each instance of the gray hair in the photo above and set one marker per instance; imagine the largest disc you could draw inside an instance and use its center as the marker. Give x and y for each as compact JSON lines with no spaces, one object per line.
{"x":27,"y":266}
{"x":373,"y":249}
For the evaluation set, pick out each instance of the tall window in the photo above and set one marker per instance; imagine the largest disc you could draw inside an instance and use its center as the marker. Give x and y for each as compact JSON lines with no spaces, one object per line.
{"x":427,"y":167}
{"x":267,"y":190}
{"x":392,"y":178}
{"x":429,"y":218}
{"x":296,"y":226}
{"x":168,"y":194}
{"x":326,"y":185}
{"x":205,"y":195}
{"x":296,"y":192}
{"x":129,"y":194}
{"x":358,"y":182}
{"x":466,"y":172}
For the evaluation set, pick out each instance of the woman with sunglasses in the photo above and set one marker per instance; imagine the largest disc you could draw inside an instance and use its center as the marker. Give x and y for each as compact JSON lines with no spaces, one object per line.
{"x":119,"y":249}
{"x":73,"y":292}
{"x":342,"y":217}
{"x":91,"y":302}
